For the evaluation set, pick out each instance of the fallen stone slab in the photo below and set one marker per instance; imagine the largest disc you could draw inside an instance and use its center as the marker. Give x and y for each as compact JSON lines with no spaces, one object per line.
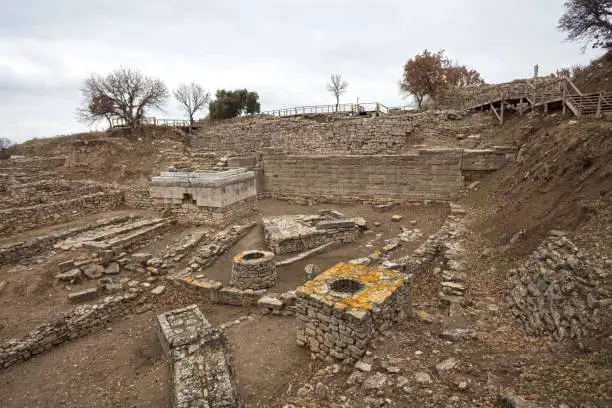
{"x":360,"y":261}
{"x":83,"y":296}
{"x":112,"y":269}
{"x":383,"y":207}
{"x":158,"y":290}
{"x":93,"y":271}
{"x":66,"y":266}
{"x":72,"y":276}
{"x":447,"y":364}
{"x":141,"y":257}
{"x":306,"y":254}
{"x":454,"y":335}
{"x":396,"y":218}
{"x":270,"y":303}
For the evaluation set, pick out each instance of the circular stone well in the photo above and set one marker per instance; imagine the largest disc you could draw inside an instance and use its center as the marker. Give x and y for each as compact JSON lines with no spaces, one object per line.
{"x":254,"y":269}
{"x":346,"y":286}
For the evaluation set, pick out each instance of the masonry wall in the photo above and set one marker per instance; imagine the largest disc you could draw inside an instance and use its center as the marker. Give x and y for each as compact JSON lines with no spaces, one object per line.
{"x":18,"y":219}
{"x":78,"y":322}
{"x":431,"y":175}
{"x":383,"y":135}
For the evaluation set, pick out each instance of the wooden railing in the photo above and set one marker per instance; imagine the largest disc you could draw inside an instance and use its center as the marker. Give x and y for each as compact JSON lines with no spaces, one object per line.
{"x":343,"y":108}
{"x":535,"y":92}
{"x":151,"y":121}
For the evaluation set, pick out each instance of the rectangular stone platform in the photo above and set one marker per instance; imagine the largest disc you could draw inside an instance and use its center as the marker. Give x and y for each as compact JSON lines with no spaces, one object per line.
{"x":343,"y":309}
{"x":293,"y":233}
{"x":202,"y":376}
{"x":214,"y":198}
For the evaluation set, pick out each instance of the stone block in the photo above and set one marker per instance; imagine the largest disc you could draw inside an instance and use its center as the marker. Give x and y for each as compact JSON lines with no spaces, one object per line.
{"x":83,"y":296}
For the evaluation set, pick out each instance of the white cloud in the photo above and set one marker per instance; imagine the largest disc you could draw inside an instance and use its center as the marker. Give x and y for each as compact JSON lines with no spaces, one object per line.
{"x":284,"y":50}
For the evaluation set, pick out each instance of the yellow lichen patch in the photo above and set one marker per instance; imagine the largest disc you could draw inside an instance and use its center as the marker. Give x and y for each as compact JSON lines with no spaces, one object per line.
{"x":188,"y":279}
{"x":378,"y":285}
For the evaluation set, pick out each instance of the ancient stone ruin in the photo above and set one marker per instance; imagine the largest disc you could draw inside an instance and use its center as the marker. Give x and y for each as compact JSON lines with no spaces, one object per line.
{"x":211,"y":198}
{"x":294,"y":233}
{"x":202,"y":376}
{"x":343,"y":309}
{"x":254,"y":270}
{"x":291,"y":262}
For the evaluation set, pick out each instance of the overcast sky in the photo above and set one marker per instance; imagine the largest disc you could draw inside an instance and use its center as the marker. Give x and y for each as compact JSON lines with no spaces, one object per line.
{"x":283,"y":49}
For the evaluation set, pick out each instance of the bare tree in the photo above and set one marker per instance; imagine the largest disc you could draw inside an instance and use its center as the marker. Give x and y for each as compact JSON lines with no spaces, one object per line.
{"x":337,"y":86}
{"x":588,"y":21}
{"x":192,"y":98}
{"x":5,"y":143}
{"x":124,"y":94}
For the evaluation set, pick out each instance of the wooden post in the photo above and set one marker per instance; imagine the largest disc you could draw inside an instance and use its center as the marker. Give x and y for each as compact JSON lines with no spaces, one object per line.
{"x":580,"y":107}
{"x":564,"y":98}
{"x":598,"y":114}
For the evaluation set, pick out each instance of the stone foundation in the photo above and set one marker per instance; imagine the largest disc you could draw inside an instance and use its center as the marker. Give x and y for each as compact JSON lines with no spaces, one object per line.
{"x":214,"y":198}
{"x":77,"y":323}
{"x":253,"y":270}
{"x":295,"y":233}
{"x":202,"y":374}
{"x":216,"y":216}
{"x":18,"y":219}
{"x":559,"y":291}
{"x":345,"y":307}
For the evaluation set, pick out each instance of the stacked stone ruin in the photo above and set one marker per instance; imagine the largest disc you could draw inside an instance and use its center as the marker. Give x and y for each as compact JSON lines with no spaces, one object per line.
{"x":558,"y":291}
{"x":343,"y":309}
{"x":253,"y":270}
{"x":295,"y":233}
{"x":76,"y":323}
{"x":201,"y":368}
{"x":215,"y":198}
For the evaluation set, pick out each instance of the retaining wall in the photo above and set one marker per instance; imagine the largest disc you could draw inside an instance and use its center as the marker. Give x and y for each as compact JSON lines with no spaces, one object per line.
{"x":18,"y":219}
{"x":431,"y":174}
{"x":77,"y":323}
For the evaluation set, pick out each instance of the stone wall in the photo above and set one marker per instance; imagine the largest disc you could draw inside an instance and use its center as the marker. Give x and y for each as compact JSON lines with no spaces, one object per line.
{"x":18,"y":219}
{"x":300,"y":135}
{"x":25,"y":249}
{"x":218,"y":216}
{"x":45,"y":191}
{"x":559,"y":292}
{"x":77,"y":323}
{"x":137,"y":196}
{"x":430,"y":174}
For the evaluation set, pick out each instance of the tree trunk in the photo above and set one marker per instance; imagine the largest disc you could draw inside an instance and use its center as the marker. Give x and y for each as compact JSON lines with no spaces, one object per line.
{"x":337,"y":102}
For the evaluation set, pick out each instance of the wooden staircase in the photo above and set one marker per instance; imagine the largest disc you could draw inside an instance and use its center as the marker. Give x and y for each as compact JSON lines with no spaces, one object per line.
{"x":546,"y":93}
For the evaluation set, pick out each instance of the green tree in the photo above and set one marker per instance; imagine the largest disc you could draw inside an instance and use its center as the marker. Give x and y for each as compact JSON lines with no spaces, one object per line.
{"x":229,"y":104}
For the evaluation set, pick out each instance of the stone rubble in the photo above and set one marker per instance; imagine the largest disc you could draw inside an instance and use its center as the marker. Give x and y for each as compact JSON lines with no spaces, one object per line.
{"x":558,"y":291}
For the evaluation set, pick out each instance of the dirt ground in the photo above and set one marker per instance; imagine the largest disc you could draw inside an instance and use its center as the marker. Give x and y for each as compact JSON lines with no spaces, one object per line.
{"x":118,"y":367}
{"x":131,"y":372}
{"x":429,"y":219}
